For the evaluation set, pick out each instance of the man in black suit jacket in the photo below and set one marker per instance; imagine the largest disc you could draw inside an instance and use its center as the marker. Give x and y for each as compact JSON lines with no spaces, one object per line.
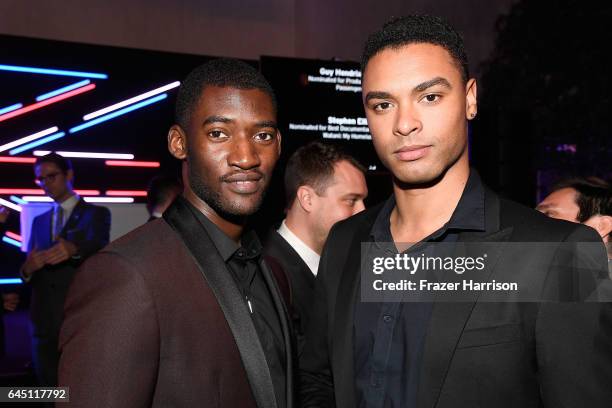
{"x":190,"y":314}
{"x":461,"y":349}
{"x":60,"y":240}
{"x":323,"y":185}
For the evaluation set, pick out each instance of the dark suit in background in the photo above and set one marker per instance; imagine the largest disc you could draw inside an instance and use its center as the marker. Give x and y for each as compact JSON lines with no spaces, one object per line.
{"x":88,"y":228}
{"x":157,"y":320}
{"x":301,"y":280}
{"x":475,"y":354}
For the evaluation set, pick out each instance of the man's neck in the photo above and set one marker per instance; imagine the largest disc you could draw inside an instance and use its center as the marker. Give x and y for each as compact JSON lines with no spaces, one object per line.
{"x":65,"y":197}
{"x":422,"y":210}
{"x":298,"y":225}
{"x":230,"y":228}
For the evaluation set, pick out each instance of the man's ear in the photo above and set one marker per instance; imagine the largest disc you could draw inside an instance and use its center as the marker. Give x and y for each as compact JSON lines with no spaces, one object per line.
{"x":177,"y":142}
{"x":601,"y":223}
{"x":70,"y":175}
{"x":471,"y":99}
{"x":278,"y":141}
{"x":305,"y":198}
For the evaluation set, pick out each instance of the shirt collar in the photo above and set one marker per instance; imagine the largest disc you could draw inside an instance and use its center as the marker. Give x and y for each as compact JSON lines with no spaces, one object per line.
{"x":69,"y":204}
{"x":250,"y":244}
{"x":468,"y":215}
{"x":310,"y":257}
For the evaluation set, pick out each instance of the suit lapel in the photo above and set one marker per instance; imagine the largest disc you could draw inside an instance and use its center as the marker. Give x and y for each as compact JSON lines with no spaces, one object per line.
{"x":230,"y":300}
{"x":448,"y":317}
{"x":44,"y":234}
{"x":300,"y":266}
{"x":74,"y":218}
{"x":342,"y":339}
{"x":283,"y":314}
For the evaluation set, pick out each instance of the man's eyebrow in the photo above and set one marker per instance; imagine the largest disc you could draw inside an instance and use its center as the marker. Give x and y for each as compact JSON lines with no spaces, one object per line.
{"x":419,"y":88}
{"x":432,"y":82}
{"x":267,"y":123}
{"x":377,"y":95}
{"x":217,"y":119}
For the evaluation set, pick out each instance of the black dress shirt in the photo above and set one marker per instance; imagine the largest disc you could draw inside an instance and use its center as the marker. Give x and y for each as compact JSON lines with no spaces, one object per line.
{"x":243,"y":262}
{"x":389,"y":336}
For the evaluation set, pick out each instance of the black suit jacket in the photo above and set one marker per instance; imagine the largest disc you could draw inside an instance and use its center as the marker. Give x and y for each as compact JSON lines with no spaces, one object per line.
{"x":476,"y":354}
{"x":301,"y":281}
{"x":88,"y":228}
{"x":156,"y":320}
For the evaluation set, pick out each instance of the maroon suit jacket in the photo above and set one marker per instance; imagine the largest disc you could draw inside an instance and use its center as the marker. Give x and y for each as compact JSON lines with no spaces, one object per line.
{"x":156,"y":320}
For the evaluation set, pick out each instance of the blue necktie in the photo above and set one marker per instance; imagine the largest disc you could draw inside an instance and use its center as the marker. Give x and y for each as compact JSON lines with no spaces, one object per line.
{"x":59,"y":222}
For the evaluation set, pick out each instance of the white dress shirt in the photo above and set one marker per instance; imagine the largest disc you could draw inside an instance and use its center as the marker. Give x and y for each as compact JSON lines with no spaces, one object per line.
{"x":67,"y":208}
{"x":310,"y":257}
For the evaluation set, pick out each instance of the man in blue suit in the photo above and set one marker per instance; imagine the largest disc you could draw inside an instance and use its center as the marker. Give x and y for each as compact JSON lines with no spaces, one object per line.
{"x":60,"y":240}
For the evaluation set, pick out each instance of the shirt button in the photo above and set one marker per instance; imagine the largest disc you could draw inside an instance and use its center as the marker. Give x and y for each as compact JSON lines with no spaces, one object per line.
{"x":387,"y":318}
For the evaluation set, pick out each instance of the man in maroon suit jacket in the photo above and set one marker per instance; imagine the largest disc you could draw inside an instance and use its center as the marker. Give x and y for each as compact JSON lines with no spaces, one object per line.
{"x":183,"y":311}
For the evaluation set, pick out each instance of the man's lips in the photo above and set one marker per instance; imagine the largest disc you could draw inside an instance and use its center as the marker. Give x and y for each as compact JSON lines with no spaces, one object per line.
{"x":411,"y":153}
{"x":243,"y":183}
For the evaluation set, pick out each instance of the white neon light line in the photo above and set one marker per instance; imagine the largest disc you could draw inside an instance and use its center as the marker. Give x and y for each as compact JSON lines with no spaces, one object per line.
{"x":87,"y":155}
{"x":117,"y":113}
{"x":130,"y":101}
{"x":26,"y":139}
{"x":37,"y":199}
{"x":108,"y":199}
{"x":38,"y":142}
{"x":10,"y":205}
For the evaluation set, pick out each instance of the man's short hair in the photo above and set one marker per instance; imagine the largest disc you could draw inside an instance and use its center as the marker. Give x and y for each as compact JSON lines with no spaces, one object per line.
{"x":224,"y":72}
{"x":60,"y":161}
{"x":413,"y":29}
{"x":593,"y":195}
{"x":160,"y":189}
{"x":313,"y":165}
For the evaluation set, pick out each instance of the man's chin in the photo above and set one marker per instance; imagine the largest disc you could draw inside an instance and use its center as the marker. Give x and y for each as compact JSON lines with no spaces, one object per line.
{"x":417,"y":176}
{"x":240,"y":209}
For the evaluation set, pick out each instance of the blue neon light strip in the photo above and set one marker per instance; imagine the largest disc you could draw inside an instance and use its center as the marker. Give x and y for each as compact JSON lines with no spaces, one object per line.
{"x":11,"y":108}
{"x":48,"y":71}
{"x":120,"y":112}
{"x":38,"y":142}
{"x":10,"y":281}
{"x":11,"y":241}
{"x":18,"y":200}
{"x":62,"y":90}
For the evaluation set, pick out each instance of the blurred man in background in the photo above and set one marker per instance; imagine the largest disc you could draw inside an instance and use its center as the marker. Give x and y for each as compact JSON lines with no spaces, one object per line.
{"x":323,"y":185}
{"x":161,"y":193}
{"x":587,"y":200}
{"x":60,"y":240}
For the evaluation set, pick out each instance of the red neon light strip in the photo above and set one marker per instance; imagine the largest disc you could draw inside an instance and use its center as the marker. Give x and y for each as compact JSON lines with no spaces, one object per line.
{"x":32,"y":191}
{"x":130,"y":163}
{"x":25,"y":191}
{"x":46,"y":102}
{"x":87,"y":192}
{"x":14,"y":236}
{"x":11,"y":159}
{"x":126,"y":193}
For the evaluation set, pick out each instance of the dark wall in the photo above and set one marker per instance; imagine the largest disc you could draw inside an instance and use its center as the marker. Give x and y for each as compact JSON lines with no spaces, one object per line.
{"x":246,"y":29}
